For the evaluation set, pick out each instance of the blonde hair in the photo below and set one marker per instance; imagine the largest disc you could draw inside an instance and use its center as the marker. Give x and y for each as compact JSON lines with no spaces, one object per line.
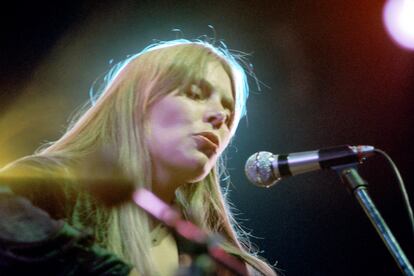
{"x":116,"y":119}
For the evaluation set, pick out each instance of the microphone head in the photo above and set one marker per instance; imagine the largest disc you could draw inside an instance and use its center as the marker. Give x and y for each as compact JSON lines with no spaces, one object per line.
{"x":259,"y":169}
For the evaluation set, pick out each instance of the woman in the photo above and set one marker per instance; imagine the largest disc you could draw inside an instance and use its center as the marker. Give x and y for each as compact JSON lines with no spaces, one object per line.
{"x":166,"y":115}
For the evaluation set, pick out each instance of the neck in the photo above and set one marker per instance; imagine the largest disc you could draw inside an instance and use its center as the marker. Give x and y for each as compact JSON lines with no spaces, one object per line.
{"x":164,"y":192}
{"x":164,"y":186}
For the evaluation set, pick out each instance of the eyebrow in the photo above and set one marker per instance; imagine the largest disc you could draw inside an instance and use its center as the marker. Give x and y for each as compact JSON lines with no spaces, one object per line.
{"x":227,"y":101}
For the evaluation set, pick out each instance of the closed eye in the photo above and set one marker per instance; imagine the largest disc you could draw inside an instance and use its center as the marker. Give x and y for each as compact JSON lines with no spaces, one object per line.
{"x":202,"y":91}
{"x":194,"y":92}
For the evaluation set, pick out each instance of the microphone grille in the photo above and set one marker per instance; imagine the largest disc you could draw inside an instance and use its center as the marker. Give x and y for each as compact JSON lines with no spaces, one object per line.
{"x":259,"y":169}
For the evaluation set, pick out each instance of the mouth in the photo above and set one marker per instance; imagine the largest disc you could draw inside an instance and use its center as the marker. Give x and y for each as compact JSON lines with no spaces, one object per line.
{"x":209,"y":139}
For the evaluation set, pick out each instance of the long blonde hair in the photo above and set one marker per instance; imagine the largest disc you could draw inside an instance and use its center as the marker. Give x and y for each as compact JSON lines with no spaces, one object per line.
{"x":115,"y":119}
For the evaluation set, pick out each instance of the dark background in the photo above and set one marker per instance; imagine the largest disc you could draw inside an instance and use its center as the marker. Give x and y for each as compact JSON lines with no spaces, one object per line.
{"x":331,"y":76}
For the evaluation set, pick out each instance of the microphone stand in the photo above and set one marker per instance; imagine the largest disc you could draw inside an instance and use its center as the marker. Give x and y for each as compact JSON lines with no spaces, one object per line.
{"x":359,"y":187}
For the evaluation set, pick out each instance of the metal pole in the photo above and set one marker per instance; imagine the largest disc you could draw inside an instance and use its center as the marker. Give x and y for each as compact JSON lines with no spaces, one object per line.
{"x":359,"y":188}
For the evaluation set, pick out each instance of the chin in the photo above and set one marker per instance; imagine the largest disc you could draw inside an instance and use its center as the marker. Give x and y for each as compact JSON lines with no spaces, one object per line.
{"x":197,"y":167}
{"x":199,"y":177}
{"x":200,"y":173}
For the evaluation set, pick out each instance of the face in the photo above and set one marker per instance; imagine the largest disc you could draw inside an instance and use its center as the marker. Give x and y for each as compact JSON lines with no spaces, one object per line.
{"x":189,"y":128}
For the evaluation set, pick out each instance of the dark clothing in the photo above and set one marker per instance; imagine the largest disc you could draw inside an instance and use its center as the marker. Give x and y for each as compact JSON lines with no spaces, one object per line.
{"x":44,"y":220}
{"x":35,"y":238}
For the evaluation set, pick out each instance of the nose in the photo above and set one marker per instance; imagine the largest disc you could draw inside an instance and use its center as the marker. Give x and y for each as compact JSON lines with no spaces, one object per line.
{"x":216,"y":118}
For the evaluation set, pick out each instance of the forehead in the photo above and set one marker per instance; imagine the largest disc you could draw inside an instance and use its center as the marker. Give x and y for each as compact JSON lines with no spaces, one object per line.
{"x":218,"y":80}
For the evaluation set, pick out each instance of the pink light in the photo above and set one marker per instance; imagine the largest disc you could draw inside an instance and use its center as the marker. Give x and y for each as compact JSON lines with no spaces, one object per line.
{"x":155,"y":206}
{"x":398,"y":17}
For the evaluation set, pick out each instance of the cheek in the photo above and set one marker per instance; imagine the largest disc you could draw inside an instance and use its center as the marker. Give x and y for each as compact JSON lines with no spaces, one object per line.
{"x":167,"y":115}
{"x":169,"y":125}
{"x":173,"y":111}
{"x":225,"y":140}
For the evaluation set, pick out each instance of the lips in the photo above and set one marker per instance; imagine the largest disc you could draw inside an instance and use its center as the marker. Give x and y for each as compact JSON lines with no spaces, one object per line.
{"x":210,"y":138}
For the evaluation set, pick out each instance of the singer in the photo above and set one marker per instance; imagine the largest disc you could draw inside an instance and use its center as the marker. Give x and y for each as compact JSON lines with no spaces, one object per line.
{"x":166,"y":115}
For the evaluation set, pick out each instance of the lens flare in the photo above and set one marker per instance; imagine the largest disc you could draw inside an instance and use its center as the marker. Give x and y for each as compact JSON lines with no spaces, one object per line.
{"x":398,"y":16}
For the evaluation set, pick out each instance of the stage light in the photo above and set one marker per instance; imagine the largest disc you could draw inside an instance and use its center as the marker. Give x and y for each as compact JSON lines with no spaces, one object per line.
{"x":398,"y":17}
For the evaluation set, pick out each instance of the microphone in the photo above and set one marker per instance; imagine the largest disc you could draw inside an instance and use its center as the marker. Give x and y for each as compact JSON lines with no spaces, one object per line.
{"x":264,"y":169}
